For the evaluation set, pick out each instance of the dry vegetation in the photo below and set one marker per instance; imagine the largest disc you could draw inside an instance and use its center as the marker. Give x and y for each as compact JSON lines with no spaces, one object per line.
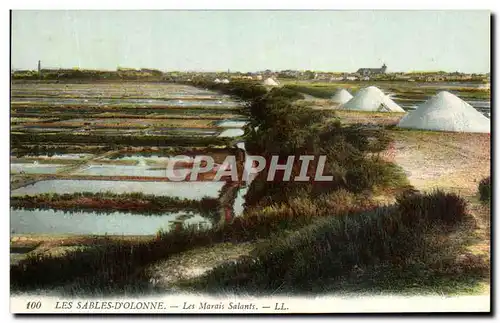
{"x":126,"y":123}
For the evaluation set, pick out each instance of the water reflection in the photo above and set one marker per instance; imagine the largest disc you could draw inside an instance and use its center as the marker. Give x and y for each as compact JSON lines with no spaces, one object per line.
{"x":115,"y":223}
{"x":232,"y":124}
{"x":35,"y":168}
{"x":232,"y":133}
{"x":189,"y":190}
{"x":141,"y":170}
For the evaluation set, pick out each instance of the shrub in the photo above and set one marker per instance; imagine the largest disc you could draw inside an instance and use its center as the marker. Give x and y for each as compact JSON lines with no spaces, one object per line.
{"x":484,"y":188}
{"x":373,"y":173}
{"x":335,"y":246}
{"x":438,"y":206}
{"x":324,"y":93}
{"x":328,"y":248}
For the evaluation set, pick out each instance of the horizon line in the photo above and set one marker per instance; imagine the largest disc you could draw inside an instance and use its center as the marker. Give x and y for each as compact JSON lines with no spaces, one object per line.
{"x":236,"y":71}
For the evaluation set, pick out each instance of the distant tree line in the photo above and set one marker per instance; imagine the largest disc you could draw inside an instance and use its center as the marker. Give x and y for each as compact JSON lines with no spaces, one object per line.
{"x":85,"y":74}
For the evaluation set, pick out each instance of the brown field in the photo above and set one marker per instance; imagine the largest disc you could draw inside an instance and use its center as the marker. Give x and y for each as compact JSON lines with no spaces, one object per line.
{"x":369,"y":118}
{"x":126,"y":123}
{"x":456,"y":161}
{"x":103,"y":88}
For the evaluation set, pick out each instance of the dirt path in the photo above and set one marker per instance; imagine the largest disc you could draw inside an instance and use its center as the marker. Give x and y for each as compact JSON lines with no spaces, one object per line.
{"x":453,"y":162}
{"x":194,"y":263}
{"x":76,"y":167}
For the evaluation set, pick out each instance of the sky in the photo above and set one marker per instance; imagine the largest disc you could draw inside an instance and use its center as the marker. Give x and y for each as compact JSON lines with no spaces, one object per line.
{"x":248,"y":41}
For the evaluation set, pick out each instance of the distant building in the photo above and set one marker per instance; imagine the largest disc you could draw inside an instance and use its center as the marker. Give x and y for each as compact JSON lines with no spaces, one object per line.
{"x":350,"y":78}
{"x":372,"y":71}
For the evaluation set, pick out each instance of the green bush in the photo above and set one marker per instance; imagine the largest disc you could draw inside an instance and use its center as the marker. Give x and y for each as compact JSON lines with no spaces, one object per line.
{"x":334,"y":246}
{"x":435,"y":207}
{"x":370,"y":174}
{"x":484,"y":188}
{"x":324,"y":93}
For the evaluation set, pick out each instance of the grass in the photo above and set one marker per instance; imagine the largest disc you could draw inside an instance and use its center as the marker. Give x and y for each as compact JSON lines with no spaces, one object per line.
{"x":116,"y":264}
{"x":113,"y":140}
{"x":484,"y":189}
{"x":108,"y":202}
{"x":367,"y":250}
{"x":32,"y":150}
{"x":404,"y":90}
{"x":316,"y":91}
{"x":127,"y":123}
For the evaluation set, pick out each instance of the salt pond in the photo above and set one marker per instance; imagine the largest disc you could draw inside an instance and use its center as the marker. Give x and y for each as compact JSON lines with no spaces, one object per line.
{"x":232,"y":133}
{"x":238,"y":206}
{"x":32,"y":168}
{"x":107,"y":101}
{"x":119,"y":170}
{"x":145,"y":158}
{"x":116,"y":223}
{"x":231,"y":124}
{"x":60,"y":156}
{"x":189,"y":190}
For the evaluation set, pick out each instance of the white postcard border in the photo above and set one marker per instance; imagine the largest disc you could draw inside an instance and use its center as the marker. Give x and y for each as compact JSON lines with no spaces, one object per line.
{"x":326,"y":305}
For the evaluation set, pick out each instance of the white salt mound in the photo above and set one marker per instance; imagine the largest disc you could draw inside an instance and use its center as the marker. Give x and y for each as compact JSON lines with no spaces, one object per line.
{"x":372,"y":99}
{"x":270,"y":82}
{"x":446,"y":112}
{"x":341,"y":96}
{"x":225,"y":81}
{"x":217,"y":81}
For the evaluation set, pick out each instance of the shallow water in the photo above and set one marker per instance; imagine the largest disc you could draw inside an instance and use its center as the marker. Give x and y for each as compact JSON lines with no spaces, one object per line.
{"x":232,"y":124}
{"x":238,"y":206}
{"x":45,"y":130}
{"x":126,"y":170}
{"x":152,"y":102}
{"x":196,"y":132}
{"x":189,"y":190}
{"x":153,"y":158}
{"x":239,"y":201}
{"x":60,"y":222}
{"x":232,"y":133}
{"x":31,"y":168}
{"x":60,"y":156}
{"x":479,"y":104}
